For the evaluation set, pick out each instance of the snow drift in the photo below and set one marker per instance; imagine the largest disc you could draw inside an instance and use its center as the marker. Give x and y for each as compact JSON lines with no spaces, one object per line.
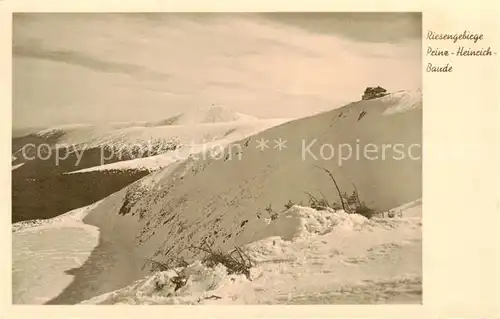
{"x":320,"y":259}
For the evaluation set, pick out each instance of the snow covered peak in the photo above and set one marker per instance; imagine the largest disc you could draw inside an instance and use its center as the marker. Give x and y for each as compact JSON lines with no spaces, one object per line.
{"x":203,"y":115}
{"x":61,"y":129}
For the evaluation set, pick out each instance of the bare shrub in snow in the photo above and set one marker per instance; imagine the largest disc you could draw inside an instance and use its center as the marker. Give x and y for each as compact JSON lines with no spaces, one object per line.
{"x":269,"y":209}
{"x":349,"y":203}
{"x":158,"y":265}
{"x":235,"y":261}
{"x":364,"y":210}
{"x":179,"y":280}
{"x":357,"y":206}
{"x":289,"y":204}
{"x":272,"y":214}
{"x":336,"y":206}
{"x":318,"y":204}
{"x":336,"y":186}
{"x":166,"y":265}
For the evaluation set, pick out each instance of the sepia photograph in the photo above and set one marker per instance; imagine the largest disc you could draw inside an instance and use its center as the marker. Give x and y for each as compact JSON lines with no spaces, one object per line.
{"x":170,"y":158}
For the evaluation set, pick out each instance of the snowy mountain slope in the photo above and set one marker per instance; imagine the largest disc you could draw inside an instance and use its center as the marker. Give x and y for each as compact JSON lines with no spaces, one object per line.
{"x":215,"y":199}
{"x":307,"y":257}
{"x":224,"y":199}
{"x":234,"y":187}
{"x":110,"y":157}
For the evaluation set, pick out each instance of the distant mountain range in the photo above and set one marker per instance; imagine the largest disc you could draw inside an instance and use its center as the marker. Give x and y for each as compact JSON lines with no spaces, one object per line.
{"x":125,"y":150}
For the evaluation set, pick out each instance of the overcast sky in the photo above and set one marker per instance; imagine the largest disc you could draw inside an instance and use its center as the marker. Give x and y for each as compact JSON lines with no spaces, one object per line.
{"x":75,"y":68}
